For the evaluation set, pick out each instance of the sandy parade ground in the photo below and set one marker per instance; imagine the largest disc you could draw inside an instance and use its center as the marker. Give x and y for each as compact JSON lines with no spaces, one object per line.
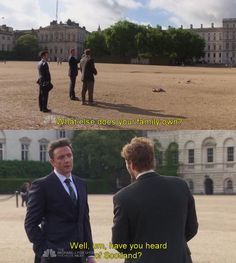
{"x":215,"y":242}
{"x":194,"y":98}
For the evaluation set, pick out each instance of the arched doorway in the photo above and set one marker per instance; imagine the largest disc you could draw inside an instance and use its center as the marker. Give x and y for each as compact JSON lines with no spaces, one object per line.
{"x":209,"y":186}
{"x":228,"y":186}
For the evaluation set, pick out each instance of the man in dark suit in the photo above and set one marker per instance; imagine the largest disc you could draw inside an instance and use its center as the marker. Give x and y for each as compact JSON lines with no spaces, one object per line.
{"x":44,"y":82}
{"x":57,"y":214}
{"x":88,"y":71}
{"x":73,"y":73}
{"x":155,"y":212}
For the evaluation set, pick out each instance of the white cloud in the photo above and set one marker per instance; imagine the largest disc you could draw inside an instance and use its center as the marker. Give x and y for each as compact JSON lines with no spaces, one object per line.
{"x":198,"y":12}
{"x":27,"y":14}
{"x":23,"y":14}
{"x":97,"y":12}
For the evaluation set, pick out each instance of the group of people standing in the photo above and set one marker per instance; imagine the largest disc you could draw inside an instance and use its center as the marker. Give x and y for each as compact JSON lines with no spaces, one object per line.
{"x":154,"y":216}
{"x":87,"y":68}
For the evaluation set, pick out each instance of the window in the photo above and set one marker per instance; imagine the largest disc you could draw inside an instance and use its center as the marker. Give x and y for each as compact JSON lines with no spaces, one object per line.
{"x":24,"y":152}
{"x":1,"y":151}
{"x":175,"y":157}
{"x":191,"y":156}
{"x":43,"y":152}
{"x":230,"y":154}
{"x":229,"y":185}
{"x":62,"y":133}
{"x":210,"y":155}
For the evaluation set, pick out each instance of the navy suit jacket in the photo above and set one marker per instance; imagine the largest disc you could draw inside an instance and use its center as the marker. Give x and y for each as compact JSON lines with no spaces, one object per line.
{"x":155,"y":210}
{"x":52,"y":220}
{"x":73,"y":66}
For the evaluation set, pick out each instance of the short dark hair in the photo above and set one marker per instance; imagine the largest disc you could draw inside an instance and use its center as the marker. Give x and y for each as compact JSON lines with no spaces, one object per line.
{"x":57,"y":144}
{"x":140,"y":151}
{"x":43,"y":53}
{"x":87,"y":51}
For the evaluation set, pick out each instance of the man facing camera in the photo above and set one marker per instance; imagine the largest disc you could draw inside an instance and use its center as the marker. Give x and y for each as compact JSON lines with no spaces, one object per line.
{"x":57,"y":214}
{"x":44,"y":82}
{"x":154,"y":217}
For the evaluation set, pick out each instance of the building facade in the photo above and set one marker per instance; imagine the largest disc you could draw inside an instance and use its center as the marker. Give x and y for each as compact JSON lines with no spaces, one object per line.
{"x":6,"y":38}
{"x":206,"y":159}
{"x":28,"y":144}
{"x":220,"y":42}
{"x":60,"y":38}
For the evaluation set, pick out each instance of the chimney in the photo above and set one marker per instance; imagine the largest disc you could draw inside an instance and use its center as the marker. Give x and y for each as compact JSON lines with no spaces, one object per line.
{"x":191,"y":26}
{"x":201,"y":25}
{"x":181,"y":27}
{"x":212,"y":25}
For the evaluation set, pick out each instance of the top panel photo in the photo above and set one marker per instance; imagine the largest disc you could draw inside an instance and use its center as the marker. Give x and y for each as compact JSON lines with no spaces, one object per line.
{"x":137,"y":64}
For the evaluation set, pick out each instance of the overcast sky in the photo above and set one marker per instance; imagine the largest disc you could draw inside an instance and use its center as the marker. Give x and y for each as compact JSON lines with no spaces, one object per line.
{"x":27,"y":14}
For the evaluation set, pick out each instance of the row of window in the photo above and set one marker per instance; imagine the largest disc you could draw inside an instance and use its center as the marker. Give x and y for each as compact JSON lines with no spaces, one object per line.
{"x":174,"y":156}
{"x":25,"y":149}
{"x":210,"y":155}
{"x":57,"y":37}
{"x":6,"y":38}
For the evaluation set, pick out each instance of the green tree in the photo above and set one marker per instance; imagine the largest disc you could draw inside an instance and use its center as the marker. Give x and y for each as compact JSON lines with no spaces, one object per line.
{"x":27,"y":47}
{"x":120,"y":39}
{"x":185,"y":46}
{"x":170,"y":164}
{"x":97,"y":153}
{"x":97,"y":42}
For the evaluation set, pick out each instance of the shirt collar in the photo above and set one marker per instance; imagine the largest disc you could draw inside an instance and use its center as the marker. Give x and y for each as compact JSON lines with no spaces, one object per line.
{"x":62,"y":177}
{"x":145,"y":172}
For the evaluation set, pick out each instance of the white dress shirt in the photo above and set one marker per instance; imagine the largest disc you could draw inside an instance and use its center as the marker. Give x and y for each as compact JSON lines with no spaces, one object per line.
{"x":145,"y":172}
{"x":62,"y":179}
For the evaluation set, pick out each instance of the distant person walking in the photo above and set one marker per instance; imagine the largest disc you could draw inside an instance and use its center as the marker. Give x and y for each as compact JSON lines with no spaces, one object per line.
{"x":88,"y":71}
{"x":44,"y":82}
{"x":73,"y":73}
{"x":24,"y":192}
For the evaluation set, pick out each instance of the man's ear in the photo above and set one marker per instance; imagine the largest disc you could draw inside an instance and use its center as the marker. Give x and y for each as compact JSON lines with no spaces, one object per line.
{"x":51,"y":161}
{"x":132,"y":166}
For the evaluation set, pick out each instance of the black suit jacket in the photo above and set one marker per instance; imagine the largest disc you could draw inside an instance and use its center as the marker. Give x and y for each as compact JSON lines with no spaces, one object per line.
{"x":44,"y":73}
{"x":73,"y":66}
{"x":61,"y":222}
{"x":155,"y":209}
{"x":87,"y":68}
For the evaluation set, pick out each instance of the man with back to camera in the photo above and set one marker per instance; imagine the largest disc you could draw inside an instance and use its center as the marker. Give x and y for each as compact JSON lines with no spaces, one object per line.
{"x":156,"y":212}
{"x":44,"y":82}
{"x":73,"y":73}
{"x":58,"y":203}
{"x":88,"y":71}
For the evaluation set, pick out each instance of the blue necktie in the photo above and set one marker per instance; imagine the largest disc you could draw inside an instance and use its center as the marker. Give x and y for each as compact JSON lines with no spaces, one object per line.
{"x":71,"y":191}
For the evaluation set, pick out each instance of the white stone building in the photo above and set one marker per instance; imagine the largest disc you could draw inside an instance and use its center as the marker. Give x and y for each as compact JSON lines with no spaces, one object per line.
{"x":60,"y":38}
{"x":28,"y":144}
{"x":220,"y":42}
{"x":6,"y":38}
{"x":206,"y":159}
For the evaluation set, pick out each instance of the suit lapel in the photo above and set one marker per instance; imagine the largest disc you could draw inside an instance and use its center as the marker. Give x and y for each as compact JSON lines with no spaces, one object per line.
{"x":58,"y":188}
{"x":79,"y":190}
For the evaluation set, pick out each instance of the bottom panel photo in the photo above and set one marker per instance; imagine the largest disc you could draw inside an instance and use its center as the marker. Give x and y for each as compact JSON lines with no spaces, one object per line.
{"x":117,"y":196}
